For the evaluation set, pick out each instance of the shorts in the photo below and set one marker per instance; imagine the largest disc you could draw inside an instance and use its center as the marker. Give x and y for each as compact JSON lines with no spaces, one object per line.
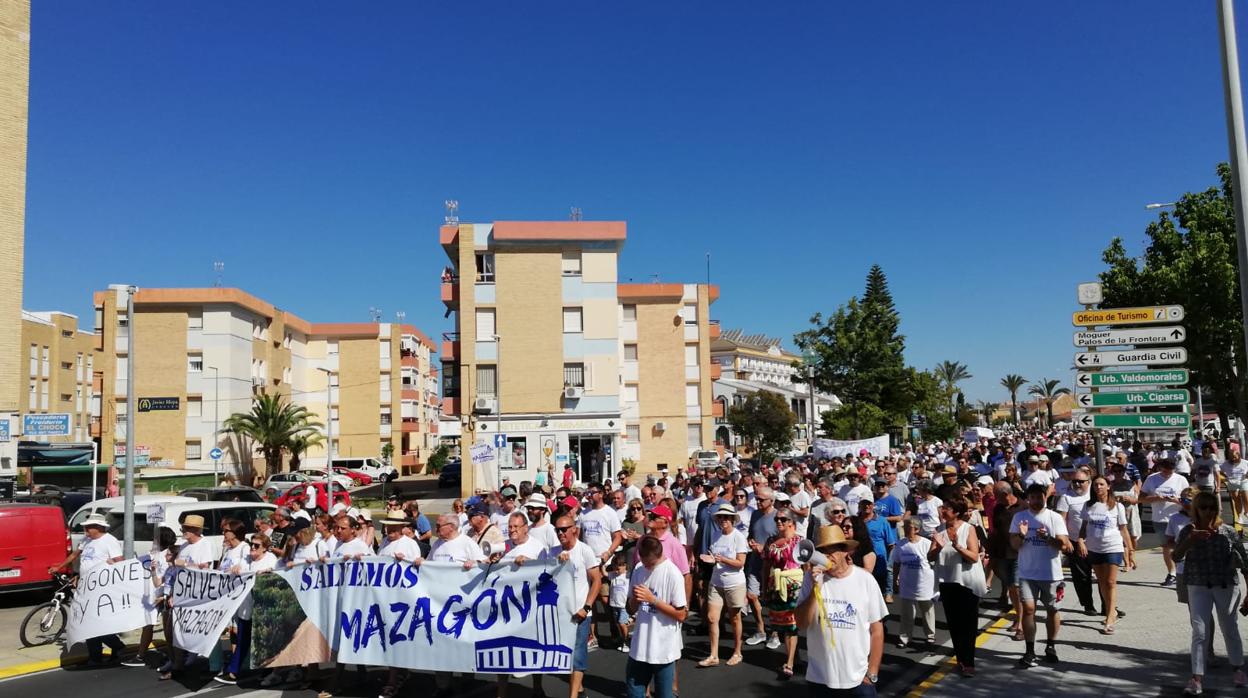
{"x":704,"y":570}
{"x":1007,"y":571}
{"x":580,"y":649}
{"x":1104,"y":558}
{"x":732,"y":597}
{"x":753,"y":585}
{"x":1236,"y":486}
{"x":621,"y":615}
{"x":1038,"y":593}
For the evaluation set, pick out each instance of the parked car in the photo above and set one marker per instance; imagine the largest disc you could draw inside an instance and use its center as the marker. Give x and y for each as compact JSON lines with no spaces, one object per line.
{"x":360,"y":479}
{"x":340,"y":495}
{"x":223,"y":494}
{"x":451,"y":474}
{"x":175,"y":513}
{"x":371,"y":467}
{"x":33,"y":537}
{"x":106,"y":505}
{"x":318,"y":473}
{"x":706,"y":459}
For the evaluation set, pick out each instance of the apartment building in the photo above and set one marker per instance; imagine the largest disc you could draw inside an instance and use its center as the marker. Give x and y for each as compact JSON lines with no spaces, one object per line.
{"x":58,"y":372}
{"x":209,"y":351}
{"x":551,"y":362}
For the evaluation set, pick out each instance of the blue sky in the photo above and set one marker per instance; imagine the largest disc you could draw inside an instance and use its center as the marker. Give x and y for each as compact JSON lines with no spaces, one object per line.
{"x":984,"y":153}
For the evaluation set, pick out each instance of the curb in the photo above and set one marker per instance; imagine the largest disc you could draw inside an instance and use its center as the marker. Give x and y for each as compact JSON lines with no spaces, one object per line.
{"x":942,"y":668}
{"x":18,"y":670}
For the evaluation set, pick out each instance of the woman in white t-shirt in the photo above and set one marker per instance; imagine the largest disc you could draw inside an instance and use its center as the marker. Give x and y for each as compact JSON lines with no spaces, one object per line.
{"x":914,"y":581}
{"x":259,"y":559}
{"x":1235,"y":470}
{"x":1103,"y":538}
{"x":233,"y":544}
{"x":727,"y":588}
{"x":306,"y":549}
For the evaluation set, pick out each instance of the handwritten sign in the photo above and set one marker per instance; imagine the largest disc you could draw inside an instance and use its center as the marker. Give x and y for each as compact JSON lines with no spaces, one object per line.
{"x":109,"y":599}
{"x":204,"y":602}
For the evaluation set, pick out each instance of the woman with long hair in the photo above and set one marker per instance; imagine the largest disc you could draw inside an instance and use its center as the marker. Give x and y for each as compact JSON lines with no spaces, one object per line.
{"x":1104,"y":539}
{"x":864,"y":555}
{"x":955,"y":551}
{"x":782,"y":582}
{"x":1213,"y":559}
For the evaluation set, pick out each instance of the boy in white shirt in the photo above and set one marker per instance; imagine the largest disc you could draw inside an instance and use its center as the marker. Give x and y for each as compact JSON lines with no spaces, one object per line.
{"x":658,"y":604}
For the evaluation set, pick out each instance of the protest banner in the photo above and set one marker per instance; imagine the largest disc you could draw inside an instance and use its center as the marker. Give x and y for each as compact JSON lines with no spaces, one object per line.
{"x":434,"y":617}
{"x":108,"y":599}
{"x":827,"y":448}
{"x":204,"y":603}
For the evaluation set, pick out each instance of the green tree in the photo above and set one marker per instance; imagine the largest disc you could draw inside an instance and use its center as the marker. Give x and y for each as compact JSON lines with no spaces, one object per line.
{"x":1013,"y":383}
{"x":986,"y":409}
{"x":841,"y":422}
{"x":1048,"y":391}
{"x":299,"y":446}
{"x":1190,"y":260}
{"x":387,"y":452}
{"x":765,"y":422}
{"x":950,"y":373}
{"x":272,"y":425}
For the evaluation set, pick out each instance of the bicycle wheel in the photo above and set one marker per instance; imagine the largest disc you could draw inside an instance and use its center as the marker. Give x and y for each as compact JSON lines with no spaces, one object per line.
{"x":43,"y":625}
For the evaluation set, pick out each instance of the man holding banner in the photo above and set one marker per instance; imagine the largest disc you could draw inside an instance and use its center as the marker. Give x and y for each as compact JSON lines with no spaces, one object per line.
{"x":98,"y":548}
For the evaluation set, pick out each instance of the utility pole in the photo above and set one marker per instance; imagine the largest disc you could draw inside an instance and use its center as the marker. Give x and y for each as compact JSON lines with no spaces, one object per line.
{"x":216,"y":423}
{"x":329,"y":440}
{"x":498,"y":406}
{"x":127,"y":548}
{"x":1239,"y":157}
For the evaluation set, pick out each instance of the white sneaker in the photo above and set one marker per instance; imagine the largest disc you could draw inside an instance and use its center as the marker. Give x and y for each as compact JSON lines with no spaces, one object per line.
{"x":756,"y":639}
{"x":773,"y":642}
{"x":1193,"y":688}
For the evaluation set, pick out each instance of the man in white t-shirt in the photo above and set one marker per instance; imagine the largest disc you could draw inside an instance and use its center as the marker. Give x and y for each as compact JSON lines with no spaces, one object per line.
{"x":799,"y":502}
{"x":841,"y":609}
{"x":453,"y":546}
{"x":98,"y":547}
{"x":539,"y":511}
{"x":1038,"y":474}
{"x":1071,"y":506}
{"x":689,"y":512}
{"x":397,"y":545}
{"x":657,"y":603}
{"x":854,"y":491}
{"x":600,"y":530}
{"x":587,"y":578}
{"x":631,"y":491}
{"x":1162,"y":490}
{"x":1039,"y":535}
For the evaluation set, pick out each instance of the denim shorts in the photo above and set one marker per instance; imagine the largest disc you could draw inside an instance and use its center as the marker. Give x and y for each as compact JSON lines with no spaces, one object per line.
{"x":1104,"y":558}
{"x":621,"y":615}
{"x":580,"y":650}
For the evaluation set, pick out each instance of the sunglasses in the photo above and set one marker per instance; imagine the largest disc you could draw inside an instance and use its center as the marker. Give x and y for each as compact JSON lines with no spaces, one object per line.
{"x":655,"y":517}
{"x":738,"y":496}
{"x":838,"y":511}
{"x":256,"y":546}
{"x":563,"y":529}
{"x":1080,"y":482}
{"x":783,"y":519}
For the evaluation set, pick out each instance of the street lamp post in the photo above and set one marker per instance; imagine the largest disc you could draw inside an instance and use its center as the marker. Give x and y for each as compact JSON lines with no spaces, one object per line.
{"x":809,"y":359}
{"x":1239,"y":155}
{"x":329,"y":439}
{"x":216,"y":423}
{"x":498,"y":410}
{"x":127,"y":548}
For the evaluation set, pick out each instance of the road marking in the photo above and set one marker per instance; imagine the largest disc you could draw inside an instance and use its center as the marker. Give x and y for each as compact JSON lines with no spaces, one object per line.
{"x":943,"y":668}
{"x":207,"y":689}
{"x":20,"y":670}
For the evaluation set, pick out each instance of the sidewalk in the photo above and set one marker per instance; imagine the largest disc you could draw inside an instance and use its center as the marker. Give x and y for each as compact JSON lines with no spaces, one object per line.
{"x":1146,"y":656}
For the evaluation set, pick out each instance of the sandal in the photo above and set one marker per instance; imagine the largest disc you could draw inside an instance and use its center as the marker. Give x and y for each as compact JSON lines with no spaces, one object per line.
{"x":709,"y":662}
{"x":1018,"y":635}
{"x":786,"y":672}
{"x":1107,"y":630}
{"x":734,"y":660}
{"x":164,"y":676}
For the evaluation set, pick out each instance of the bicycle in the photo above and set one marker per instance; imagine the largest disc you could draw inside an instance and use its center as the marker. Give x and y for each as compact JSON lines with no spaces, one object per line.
{"x":45,"y":623}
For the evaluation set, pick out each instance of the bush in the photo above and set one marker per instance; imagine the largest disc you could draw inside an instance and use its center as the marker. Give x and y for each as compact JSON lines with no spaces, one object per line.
{"x":438,"y":460}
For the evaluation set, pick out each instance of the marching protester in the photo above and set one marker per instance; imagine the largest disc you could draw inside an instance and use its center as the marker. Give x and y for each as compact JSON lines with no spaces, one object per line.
{"x":1039,"y":535}
{"x":657,"y":602}
{"x":782,"y":579}
{"x":1003,"y":555}
{"x":159,"y":563}
{"x":98,"y":547}
{"x":538,"y":509}
{"x":726,"y":589}
{"x":195,"y":554}
{"x":1126,"y":490}
{"x":259,"y":559}
{"x":1071,"y":505}
{"x":955,"y":550}
{"x":914,"y":582}
{"x":1162,"y":490}
{"x":762,"y":529}
{"x":1102,"y":540}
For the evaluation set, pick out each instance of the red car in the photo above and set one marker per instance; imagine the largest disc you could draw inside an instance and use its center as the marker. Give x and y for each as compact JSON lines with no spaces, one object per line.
{"x":359,"y":478}
{"x":340,"y":495}
{"x":33,"y":537}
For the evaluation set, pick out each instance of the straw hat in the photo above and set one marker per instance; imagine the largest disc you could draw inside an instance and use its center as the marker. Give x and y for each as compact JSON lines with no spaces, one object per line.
{"x":193,"y":521}
{"x":98,"y":520}
{"x":833,"y":535}
{"x":395,"y":518}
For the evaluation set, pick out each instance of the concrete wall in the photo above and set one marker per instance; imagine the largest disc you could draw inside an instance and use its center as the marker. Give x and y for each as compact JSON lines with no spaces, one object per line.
{"x":530,"y":323}
{"x":661,"y":379}
{"x":14,"y":92}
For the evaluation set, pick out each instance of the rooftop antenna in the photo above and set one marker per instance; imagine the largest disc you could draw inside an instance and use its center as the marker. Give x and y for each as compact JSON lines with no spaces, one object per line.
{"x":654,"y":278}
{"x":400,"y":316}
{"x":452,"y":211}
{"x":375,"y":314}
{"x":575,"y":215}
{"x":219,"y":269}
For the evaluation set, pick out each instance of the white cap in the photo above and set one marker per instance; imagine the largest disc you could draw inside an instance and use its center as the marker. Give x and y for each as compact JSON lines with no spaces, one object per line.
{"x":337,"y":509}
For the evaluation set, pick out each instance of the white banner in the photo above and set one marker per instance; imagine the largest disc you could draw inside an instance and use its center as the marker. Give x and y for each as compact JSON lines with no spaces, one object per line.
{"x":438,"y":616}
{"x":827,"y":448}
{"x":108,"y":599}
{"x":204,"y":603}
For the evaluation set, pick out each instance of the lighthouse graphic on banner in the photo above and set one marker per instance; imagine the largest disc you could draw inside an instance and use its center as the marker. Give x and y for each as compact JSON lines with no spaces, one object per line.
{"x":528,"y":655}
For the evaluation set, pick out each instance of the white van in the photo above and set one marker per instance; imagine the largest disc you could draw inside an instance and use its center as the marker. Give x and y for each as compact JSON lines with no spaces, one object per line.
{"x":104,"y":506}
{"x":176,"y":512}
{"x":371,"y":467}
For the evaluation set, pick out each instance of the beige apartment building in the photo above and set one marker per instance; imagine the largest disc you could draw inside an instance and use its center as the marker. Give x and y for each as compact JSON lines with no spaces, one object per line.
{"x":59,"y":364}
{"x":209,"y":351}
{"x":553,"y":361}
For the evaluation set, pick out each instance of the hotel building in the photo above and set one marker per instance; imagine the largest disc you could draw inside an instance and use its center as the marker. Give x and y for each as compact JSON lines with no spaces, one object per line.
{"x":212,"y":350}
{"x":556,"y":362}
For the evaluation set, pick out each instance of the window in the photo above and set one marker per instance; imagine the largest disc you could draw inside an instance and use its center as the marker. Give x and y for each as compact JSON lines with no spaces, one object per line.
{"x":333,"y":380}
{"x":571,"y":265}
{"x":333,"y":414}
{"x":123,"y":366}
{"x":630,"y":393}
{"x":519,"y":452}
{"x":195,"y":320}
{"x":34,"y":393}
{"x":286,"y":375}
{"x":66,"y":397}
{"x":194,"y":407}
{"x":487,"y":381}
{"x":690,"y":313}
{"x":572,"y":320}
{"x":195,"y":364}
{"x":632,"y":432}
{"x":386,"y":416}
{"x":485,"y":324}
{"x":331,"y":347}
{"x":485,"y":268}
{"x":122,"y":320}
{"x":691,"y":395}
{"x":630,"y":313}
{"x":67,"y":366}
{"x":630,"y":352}
{"x":574,"y":375}
{"x":286,"y":341}
{"x":67,"y":334}
{"x":691,"y":355}
{"x":695,"y":436}
{"x":192,"y":450}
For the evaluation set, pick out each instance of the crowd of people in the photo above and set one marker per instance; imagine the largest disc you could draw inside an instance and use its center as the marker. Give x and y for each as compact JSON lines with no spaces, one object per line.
{"x":821,"y":548}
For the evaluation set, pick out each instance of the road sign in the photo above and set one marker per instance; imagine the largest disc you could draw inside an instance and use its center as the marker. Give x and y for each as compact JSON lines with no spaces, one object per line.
{"x":1150,"y":315}
{"x":1130,"y":357}
{"x":1147,"y":420}
{"x":1089,"y":293}
{"x":158,"y":404}
{"x":1170,"y":334}
{"x":215,"y":454}
{"x":1143,"y":397}
{"x":4,"y":427}
{"x":1175,"y":376}
{"x":500,"y":441}
{"x":45,"y":424}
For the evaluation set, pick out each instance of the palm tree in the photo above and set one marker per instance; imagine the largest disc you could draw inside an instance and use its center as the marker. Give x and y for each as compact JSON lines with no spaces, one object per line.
{"x":1048,"y":391}
{"x":1013,"y":383}
{"x":950,"y":373}
{"x":986,"y":409}
{"x":273,"y":424}
{"x":300,"y":445}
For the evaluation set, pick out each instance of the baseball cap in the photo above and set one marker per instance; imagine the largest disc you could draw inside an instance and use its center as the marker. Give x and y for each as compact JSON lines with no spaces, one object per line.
{"x":660,"y":510}
{"x":879,"y":482}
{"x":780,"y":496}
{"x":507,"y":491}
{"x":477,"y":510}
{"x":984,"y":480}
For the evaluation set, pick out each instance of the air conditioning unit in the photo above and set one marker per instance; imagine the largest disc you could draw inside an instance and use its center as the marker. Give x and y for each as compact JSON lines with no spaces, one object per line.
{"x":485,"y":404}
{"x":660,"y":426}
{"x":573,"y":392}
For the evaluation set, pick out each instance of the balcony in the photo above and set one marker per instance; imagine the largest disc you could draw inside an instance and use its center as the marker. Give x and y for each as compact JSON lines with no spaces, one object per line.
{"x":407,"y":360}
{"x":713,"y":326}
{"x":717,"y":409}
{"x":448,"y":237}
{"x":433,"y":427}
{"x":409,"y":464}
{"x":450,"y":291}
{"x":450,"y":346}
{"x":95,"y":427}
{"x":409,"y":393}
{"x":410,"y":426}
{"x":451,"y":406}
{"x":716,"y":371}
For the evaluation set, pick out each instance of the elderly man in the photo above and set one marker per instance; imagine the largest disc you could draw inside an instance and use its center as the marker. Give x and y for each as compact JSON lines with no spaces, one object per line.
{"x":350,"y":544}
{"x":508,"y":501}
{"x":483,"y":530}
{"x":196,"y":554}
{"x":619,"y":504}
{"x":453,"y":546}
{"x":98,"y":547}
{"x":587,"y":578}
{"x":762,"y":528}
{"x":523,"y":548}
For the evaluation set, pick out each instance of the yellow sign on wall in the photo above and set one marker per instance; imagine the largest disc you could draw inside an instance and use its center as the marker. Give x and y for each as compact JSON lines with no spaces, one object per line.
{"x":1129,"y":316}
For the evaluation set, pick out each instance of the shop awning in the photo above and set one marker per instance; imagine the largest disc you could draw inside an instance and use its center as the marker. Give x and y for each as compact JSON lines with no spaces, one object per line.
{"x":40,"y":455}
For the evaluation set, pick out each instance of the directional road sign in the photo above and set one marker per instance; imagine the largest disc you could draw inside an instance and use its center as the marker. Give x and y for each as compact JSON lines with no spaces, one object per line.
{"x":1151,"y":315}
{"x":1147,"y":420}
{"x":1170,"y":334}
{"x":500,"y":441}
{"x":1130,"y":357}
{"x":1143,"y":397}
{"x":1175,"y":376}
{"x":215,"y":454}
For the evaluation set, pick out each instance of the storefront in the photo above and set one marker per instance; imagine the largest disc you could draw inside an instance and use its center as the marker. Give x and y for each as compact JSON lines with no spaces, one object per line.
{"x":590,"y":446}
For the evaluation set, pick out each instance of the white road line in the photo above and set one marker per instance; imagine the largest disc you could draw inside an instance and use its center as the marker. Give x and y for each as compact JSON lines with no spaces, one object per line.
{"x":202,"y":691}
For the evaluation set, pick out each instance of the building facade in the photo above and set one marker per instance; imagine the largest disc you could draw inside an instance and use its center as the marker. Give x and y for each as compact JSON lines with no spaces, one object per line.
{"x":544,"y":366}
{"x":59,"y":365}
{"x":210,"y":351}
